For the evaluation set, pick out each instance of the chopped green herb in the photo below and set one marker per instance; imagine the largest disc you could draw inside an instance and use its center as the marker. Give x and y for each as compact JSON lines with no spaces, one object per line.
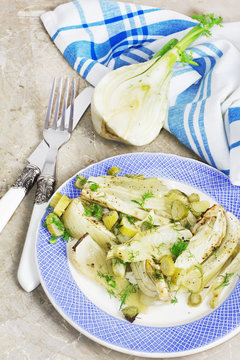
{"x":155,"y":259}
{"x":174,"y":300}
{"x":94,"y":186}
{"x":130,"y":289}
{"x":130,"y":219}
{"x":169,"y":283}
{"x":45,"y":224}
{"x":145,"y":196}
{"x":157,"y":274}
{"x":132,"y":255}
{"x":109,"y":279}
{"x":94,"y":210}
{"x":225,"y":280}
{"x":159,"y":247}
{"x":119,"y":261}
{"x":190,"y":254}
{"x":178,"y":247}
{"x":111,"y":292}
{"x":57,"y":222}
{"x":149,"y":224}
{"x":66,"y":236}
{"x":53,"y":239}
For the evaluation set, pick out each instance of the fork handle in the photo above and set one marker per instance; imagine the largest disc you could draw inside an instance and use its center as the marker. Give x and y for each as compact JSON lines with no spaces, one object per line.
{"x":13,"y":197}
{"x":27,"y":272}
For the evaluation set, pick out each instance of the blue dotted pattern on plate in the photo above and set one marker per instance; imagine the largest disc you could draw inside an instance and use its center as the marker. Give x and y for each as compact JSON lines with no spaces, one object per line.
{"x":66,"y":295}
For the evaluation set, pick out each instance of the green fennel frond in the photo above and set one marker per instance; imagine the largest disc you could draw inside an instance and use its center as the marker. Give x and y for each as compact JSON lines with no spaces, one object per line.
{"x":207,"y":22}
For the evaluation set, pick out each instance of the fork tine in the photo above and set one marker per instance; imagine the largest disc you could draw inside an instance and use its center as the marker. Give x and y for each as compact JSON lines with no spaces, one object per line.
{"x":49,"y":110}
{"x":70,"y":124}
{"x":54,"y":124}
{"x":62,"y":124}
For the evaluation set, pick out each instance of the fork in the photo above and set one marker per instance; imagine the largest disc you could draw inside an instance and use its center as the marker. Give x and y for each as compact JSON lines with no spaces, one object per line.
{"x":55,"y":136}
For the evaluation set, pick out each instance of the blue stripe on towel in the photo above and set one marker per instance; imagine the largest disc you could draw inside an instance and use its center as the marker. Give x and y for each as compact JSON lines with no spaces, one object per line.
{"x":234,"y":145}
{"x":83,"y":20}
{"x":189,"y":96}
{"x":202,"y":111}
{"x":176,"y":123}
{"x":214,"y":49}
{"x":233,"y":114}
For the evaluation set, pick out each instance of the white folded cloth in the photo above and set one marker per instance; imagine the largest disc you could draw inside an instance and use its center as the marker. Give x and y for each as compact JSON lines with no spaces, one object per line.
{"x":204,"y":102}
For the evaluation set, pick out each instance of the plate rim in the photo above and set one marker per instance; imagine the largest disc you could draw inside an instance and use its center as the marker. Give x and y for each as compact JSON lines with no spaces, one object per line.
{"x":103,"y":342}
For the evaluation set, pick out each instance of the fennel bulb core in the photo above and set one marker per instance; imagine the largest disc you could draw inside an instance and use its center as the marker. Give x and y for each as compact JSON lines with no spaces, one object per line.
{"x":130,"y":104}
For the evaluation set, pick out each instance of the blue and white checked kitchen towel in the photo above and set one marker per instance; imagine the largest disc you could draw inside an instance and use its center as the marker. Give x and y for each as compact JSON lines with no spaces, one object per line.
{"x":96,"y":36}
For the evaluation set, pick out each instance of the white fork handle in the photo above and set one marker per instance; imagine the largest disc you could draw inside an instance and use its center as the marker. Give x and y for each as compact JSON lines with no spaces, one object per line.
{"x":8,"y":204}
{"x":27,"y":271}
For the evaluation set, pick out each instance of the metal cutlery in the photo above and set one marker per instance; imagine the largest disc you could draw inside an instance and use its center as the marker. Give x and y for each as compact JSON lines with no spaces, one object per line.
{"x":13,"y":197}
{"x":54,"y":136}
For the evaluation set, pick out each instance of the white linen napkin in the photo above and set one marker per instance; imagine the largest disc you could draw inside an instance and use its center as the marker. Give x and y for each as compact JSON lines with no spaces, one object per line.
{"x":204,"y":114}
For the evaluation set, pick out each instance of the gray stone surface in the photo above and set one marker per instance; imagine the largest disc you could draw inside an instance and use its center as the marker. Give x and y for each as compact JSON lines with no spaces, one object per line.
{"x":30,"y":328}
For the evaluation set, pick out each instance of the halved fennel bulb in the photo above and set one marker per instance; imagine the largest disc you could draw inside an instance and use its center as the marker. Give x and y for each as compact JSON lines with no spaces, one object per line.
{"x":130,"y":103}
{"x":129,"y":106}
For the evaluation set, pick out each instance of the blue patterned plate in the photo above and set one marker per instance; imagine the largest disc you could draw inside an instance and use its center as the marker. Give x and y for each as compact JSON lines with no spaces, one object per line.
{"x":168,"y":335}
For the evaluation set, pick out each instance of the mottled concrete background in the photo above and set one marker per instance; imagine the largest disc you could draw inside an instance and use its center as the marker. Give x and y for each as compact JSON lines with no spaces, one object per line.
{"x":30,"y":326}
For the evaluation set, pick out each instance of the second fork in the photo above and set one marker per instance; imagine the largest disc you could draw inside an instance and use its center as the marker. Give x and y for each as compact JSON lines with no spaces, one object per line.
{"x":55,"y":137}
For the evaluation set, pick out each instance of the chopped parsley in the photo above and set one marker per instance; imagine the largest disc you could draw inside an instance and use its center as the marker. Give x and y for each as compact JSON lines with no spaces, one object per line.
{"x":145,"y":196}
{"x":225,"y":280}
{"x":178,"y":247}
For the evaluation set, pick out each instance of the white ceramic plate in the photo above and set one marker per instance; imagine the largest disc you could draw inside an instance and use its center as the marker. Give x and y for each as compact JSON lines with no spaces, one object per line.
{"x":165,"y":331}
